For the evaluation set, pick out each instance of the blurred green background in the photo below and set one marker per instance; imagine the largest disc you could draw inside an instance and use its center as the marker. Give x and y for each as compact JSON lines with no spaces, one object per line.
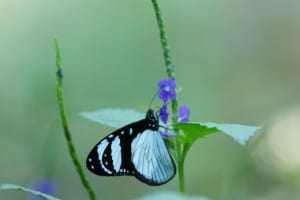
{"x":237,"y":62}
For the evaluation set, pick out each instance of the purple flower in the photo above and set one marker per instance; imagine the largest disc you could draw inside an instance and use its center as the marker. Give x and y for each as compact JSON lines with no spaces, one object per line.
{"x":167,"y":89}
{"x":165,"y":133}
{"x":46,"y":186}
{"x":184,"y":114}
{"x":163,"y":113}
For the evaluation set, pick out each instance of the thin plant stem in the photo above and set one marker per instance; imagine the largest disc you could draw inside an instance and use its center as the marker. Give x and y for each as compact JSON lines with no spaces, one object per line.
{"x":181,"y":175}
{"x":174,"y":103}
{"x":184,"y":150}
{"x":164,"y":40}
{"x":72,"y":151}
{"x":166,"y":53}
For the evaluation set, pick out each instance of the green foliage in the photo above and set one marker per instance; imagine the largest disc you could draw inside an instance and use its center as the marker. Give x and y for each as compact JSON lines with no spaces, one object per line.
{"x":193,"y":131}
{"x":7,"y":186}
{"x":65,"y":127}
{"x":114,"y":117}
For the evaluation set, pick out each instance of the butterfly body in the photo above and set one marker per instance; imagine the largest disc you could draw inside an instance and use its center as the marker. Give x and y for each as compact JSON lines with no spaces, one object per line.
{"x":137,"y":150}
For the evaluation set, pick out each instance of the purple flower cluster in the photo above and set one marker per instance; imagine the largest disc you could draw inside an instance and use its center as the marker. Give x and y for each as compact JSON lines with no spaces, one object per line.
{"x":167,"y":91}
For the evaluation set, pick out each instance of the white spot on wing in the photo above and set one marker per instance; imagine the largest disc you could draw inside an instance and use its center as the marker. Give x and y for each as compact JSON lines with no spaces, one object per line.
{"x":116,"y":154}
{"x":130,"y":131}
{"x":100,"y":149}
{"x":111,"y":136}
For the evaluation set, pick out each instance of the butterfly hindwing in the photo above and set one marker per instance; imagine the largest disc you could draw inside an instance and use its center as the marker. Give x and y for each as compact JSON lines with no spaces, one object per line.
{"x":151,"y":158}
{"x":136,"y":149}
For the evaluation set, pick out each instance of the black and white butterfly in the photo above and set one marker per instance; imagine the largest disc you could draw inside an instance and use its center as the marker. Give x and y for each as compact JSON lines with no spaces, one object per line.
{"x":137,"y":150}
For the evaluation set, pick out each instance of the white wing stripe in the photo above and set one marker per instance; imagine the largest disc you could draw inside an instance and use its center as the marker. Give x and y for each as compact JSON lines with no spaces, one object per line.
{"x":116,"y":154}
{"x":100,"y":150}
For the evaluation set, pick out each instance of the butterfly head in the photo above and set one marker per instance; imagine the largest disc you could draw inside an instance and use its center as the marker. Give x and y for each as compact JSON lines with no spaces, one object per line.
{"x":153,"y":118}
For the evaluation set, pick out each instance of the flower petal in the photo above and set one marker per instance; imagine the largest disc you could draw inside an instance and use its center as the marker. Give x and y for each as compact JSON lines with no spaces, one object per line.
{"x":166,"y":134}
{"x":163,"y":113}
{"x":167,"y":89}
{"x":184,"y":114}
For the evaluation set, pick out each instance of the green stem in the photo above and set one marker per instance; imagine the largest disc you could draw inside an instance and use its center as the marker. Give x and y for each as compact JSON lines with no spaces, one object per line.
{"x":72,"y":151}
{"x":174,"y":103}
{"x":166,"y":53}
{"x":164,"y":40}
{"x":180,"y":163}
{"x":181,"y":175}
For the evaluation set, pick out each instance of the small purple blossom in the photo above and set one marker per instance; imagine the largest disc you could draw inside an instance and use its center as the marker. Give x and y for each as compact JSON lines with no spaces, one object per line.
{"x":46,"y":186}
{"x":165,"y":133}
{"x":184,"y":114}
{"x":167,"y":89}
{"x":163,"y":113}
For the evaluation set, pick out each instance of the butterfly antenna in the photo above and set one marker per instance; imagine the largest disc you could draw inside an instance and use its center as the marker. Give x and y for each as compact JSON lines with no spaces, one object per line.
{"x":153,"y":98}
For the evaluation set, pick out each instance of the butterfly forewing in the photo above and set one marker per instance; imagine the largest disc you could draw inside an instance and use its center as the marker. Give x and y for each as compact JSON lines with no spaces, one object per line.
{"x":136,"y":149}
{"x":111,"y":156}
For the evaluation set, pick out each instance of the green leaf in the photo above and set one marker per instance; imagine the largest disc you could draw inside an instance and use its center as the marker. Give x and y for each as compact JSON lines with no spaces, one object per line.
{"x":7,"y":186}
{"x":240,"y":133}
{"x":193,"y":131}
{"x":114,"y":117}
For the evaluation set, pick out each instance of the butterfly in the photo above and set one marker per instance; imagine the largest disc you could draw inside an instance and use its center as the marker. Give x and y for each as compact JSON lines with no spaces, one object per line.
{"x":136,"y":149}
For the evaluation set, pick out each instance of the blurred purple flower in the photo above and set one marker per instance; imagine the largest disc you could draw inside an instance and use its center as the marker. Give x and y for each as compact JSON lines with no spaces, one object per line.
{"x":167,"y":89}
{"x":165,"y":133}
{"x":163,"y":113}
{"x":184,"y":114}
{"x":46,"y":186}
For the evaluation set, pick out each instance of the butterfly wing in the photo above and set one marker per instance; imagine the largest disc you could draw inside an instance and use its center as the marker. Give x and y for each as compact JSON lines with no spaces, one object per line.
{"x":136,"y":149}
{"x":111,"y":156}
{"x":151,"y":159}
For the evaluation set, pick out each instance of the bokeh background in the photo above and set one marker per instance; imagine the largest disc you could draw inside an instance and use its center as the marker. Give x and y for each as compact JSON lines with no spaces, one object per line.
{"x":236,"y":61}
